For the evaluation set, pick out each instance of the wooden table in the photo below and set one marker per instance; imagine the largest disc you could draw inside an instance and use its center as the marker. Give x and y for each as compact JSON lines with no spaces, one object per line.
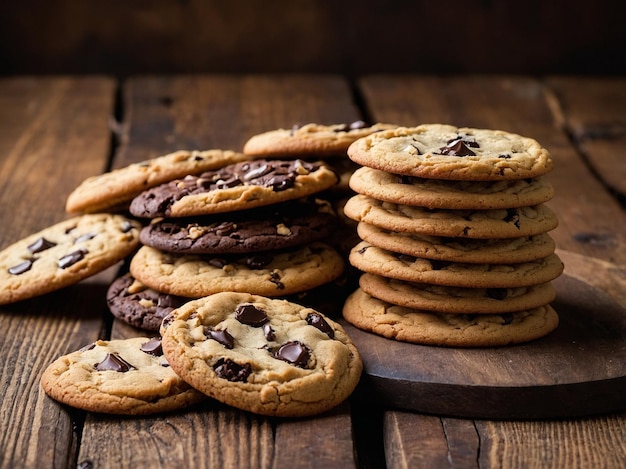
{"x":56,"y":131}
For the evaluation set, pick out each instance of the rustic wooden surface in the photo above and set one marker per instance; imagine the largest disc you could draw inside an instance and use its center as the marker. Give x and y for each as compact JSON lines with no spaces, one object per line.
{"x":54,"y":132}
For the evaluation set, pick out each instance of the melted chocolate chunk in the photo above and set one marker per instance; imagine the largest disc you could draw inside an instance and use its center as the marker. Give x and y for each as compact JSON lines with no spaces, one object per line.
{"x":21,"y":267}
{"x":72,"y":258}
{"x":250,"y":315}
{"x":293,"y":352}
{"x":268,"y":332}
{"x":223,"y":337}
{"x":114,"y":362}
{"x":40,"y":245}
{"x":227,"y":369}
{"x":258,"y":261}
{"x":459,"y":146}
{"x":512,"y":216}
{"x":85,"y":237}
{"x":153,"y":347}
{"x":87,"y":347}
{"x":317,"y":320}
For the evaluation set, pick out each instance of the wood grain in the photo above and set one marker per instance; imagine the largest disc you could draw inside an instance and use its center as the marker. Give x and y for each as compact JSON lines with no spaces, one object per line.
{"x":54,"y":133}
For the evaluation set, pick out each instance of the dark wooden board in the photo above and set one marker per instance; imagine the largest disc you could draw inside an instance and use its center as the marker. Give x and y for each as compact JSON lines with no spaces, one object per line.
{"x":579,"y":369}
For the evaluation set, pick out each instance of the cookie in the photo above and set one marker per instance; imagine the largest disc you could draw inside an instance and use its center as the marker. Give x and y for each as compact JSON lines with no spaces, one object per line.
{"x":479,"y":224}
{"x":434,"y":193}
{"x":369,"y":258}
{"x":437,"y":151}
{"x":134,"y":303}
{"x":456,"y":300}
{"x":115,"y":189}
{"x":272,"y":273}
{"x":310,"y":139}
{"x":488,"y":251}
{"x":453,"y":330}
{"x":279,"y":226}
{"x":129,"y":377}
{"x":270,"y":357}
{"x":235,"y":187}
{"x":64,"y":254}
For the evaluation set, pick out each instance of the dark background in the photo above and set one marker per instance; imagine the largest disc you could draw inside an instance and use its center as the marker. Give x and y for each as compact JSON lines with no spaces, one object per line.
{"x":351,"y":37}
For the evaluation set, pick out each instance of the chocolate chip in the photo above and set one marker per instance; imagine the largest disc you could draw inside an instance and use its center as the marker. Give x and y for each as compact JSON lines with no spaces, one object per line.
{"x":258,"y":262}
{"x":507,"y":318}
{"x":250,"y":315}
{"x":497,"y":293}
{"x":456,"y":148}
{"x":153,"y":347}
{"x":87,"y":347}
{"x":268,"y":332}
{"x":113,"y":362}
{"x":223,"y":337}
{"x":293,"y":352}
{"x":85,"y":237}
{"x":275,"y":279}
{"x":166,"y":302}
{"x":71,"y":258}
{"x":438,"y":265}
{"x":505,"y":157}
{"x":21,"y":267}
{"x":86,"y":464}
{"x":512,"y":216}
{"x":40,"y":245}
{"x":363,"y":249}
{"x":126,"y":227}
{"x":218,"y":262}
{"x":317,"y":320}
{"x":227,"y":369}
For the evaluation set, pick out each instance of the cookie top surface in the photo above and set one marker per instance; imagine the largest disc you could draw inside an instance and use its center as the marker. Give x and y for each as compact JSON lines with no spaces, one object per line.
{"x":310,"y":139}
{"x":490,"y":251}
{"x":375,"y":260}
{"x":271,"y":273}
{"x":134,"y":303}
{"x":64,"y":254}
{"x":239,"y":186}
{"x":452,"y":330}
{"x":435,"y":193}
{"x":479,"y":224}
{"x":129,"y":377}
{"x":114,"y":188}
{"x":278,"y":226}
{"x":270,"y":357}
{"x":457,"y":300}
{"x":437,"y":151}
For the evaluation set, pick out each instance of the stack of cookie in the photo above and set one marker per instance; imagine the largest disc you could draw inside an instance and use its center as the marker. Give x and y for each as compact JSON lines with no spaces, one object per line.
{"x":454,"y":237}
{"x":253,"y":226}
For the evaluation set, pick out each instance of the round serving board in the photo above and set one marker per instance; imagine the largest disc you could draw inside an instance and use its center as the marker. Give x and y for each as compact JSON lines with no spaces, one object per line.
{"x":577,"y":370}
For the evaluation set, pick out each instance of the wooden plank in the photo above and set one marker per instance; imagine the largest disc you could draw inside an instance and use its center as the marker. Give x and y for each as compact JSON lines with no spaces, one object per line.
{"x":163,"y":114}
{"x":596,"y":442}
{"x":519,"y":105}
{"x":593,"y":112}
{"x":413,"y":440}
{"x":53,"y":133}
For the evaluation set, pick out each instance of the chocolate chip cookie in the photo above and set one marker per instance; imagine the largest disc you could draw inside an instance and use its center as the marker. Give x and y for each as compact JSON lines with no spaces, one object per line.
{"x":270,"y":357}
{"x":454,"y":330}
{"x":235,"y":187}
{"x":310,"y":139}
{"x":64,"y":254}
{"x":437,"y":151}
{"x":117,"y":188}
{"x":130,"y":377}
{"x":271,"y":273}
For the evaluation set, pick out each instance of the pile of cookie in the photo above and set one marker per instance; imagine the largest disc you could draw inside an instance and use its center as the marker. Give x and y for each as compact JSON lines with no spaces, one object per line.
{"x":454,"y":247}
{"x":212,"y":244}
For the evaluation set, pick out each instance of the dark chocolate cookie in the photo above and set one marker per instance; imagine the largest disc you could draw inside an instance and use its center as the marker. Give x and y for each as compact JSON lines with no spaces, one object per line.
{"x":138,"y":305}
{"x":279,"y":226}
